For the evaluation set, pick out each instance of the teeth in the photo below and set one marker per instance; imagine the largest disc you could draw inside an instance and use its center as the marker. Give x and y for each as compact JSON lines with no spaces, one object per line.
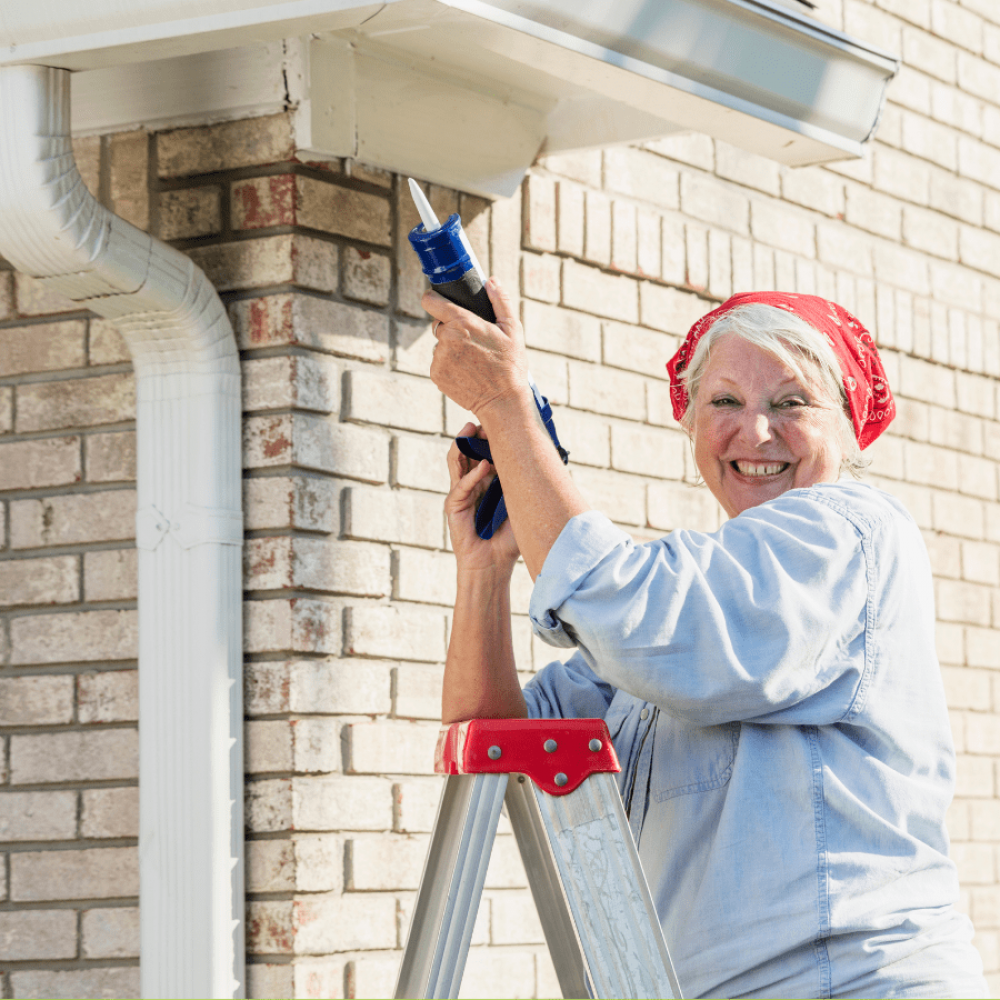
{"x":760,"y":469}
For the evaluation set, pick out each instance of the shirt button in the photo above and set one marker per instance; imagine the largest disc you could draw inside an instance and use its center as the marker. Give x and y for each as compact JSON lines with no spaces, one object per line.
{"x":644,"y":714}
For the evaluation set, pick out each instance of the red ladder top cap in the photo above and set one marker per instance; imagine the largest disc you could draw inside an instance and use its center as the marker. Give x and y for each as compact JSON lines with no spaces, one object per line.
{"x":464,"y":748}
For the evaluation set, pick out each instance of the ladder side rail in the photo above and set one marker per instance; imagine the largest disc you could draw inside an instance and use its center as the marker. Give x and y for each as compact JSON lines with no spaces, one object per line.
{"x":546,"y":888}
{"x":451,"y":886}
{"x":606,"y":891}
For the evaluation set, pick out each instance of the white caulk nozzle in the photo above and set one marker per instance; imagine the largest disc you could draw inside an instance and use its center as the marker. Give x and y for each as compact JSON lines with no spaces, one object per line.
{"x":427,"y":216}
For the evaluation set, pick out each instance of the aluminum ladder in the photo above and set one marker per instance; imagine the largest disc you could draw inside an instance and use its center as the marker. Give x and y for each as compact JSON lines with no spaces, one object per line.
{"x":556,"y":777}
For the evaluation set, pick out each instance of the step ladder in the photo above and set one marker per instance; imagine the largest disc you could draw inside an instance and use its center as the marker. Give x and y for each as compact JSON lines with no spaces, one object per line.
{"x":556,"y":777}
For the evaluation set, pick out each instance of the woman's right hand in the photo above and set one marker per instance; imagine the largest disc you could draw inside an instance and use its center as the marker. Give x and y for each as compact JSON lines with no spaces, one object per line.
{"x":469,"y":481}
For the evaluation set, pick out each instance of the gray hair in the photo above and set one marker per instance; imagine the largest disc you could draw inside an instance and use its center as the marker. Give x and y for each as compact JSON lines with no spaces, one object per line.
{"x":791,"y":340}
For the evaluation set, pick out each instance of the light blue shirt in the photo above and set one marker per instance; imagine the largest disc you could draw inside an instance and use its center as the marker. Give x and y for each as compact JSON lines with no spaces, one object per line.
{"x":774,"y":697}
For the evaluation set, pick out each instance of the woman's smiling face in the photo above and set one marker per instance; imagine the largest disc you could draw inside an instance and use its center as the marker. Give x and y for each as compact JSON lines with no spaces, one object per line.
{"x":759,"y":429}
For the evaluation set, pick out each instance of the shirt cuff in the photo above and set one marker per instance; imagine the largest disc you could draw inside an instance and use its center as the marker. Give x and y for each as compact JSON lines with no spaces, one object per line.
{"x":582,"y":544}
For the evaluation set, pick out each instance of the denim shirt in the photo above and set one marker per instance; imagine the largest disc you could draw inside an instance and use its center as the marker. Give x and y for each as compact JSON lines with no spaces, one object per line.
{"x":774,"y":697}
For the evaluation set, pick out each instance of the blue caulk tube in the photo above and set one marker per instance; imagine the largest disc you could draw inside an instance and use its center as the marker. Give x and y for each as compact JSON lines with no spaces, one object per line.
{"x":448,"y":260}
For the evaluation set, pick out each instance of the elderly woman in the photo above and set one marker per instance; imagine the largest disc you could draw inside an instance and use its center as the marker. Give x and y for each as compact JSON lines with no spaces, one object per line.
{"x":771,"y":687}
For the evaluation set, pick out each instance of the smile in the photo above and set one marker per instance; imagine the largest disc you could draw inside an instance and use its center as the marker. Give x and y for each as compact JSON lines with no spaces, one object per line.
{"x":759,"y":468}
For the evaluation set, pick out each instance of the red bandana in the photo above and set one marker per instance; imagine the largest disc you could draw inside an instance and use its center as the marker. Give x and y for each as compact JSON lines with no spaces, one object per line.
{"x":868,"y":394}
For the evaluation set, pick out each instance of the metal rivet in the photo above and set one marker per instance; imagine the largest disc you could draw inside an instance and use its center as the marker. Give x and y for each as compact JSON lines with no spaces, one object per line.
{"x":595,"y":745}
{"x":550,"y":746}
{"x":520,"y":779}
{"x":561,"y":779}
{"x":494,"y":753}
{"x":644,"y":714}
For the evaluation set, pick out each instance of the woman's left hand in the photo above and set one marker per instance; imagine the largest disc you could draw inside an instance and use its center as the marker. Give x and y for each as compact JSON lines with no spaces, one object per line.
{"x":477,"y":363}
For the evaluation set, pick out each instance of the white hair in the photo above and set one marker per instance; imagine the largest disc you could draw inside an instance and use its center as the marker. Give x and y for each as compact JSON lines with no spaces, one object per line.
{"x":791,"y":340}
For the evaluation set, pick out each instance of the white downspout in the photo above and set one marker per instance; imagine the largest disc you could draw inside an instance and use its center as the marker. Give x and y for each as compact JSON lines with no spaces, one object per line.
{"x":188,"y":531}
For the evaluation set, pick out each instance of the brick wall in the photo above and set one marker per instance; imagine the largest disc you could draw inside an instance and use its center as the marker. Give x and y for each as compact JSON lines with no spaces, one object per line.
{"x":348,"y":578}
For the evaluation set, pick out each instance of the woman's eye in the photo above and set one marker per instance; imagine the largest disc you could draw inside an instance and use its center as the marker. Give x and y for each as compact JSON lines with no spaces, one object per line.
{"x":722,"y":401}
{"x":791,"y":404}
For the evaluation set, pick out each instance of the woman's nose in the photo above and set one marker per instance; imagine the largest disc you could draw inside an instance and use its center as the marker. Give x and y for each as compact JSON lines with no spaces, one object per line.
{"x":756,"y":428}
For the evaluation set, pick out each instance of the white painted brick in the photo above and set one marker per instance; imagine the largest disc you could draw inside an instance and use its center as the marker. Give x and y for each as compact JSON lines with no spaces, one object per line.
{"x":679,"y":505}
{"x":36,"y":701}
{"x":965,"y":687}
{"x":973,"y":777}
{"x":291,"y":502}
{"x":649,"y":257}
{"x":975,"y":863}
{"x":338,"y":802}
{"x":390,"y":747}
{"x":713,"y":201}
{"x":930,"y":232}
{"x":873,"y":212}
{"x":743,"y":280}
{"x":977,"y":160}
{"x":647,"y":451}
{"x":385,"y":862}
{"x":958,"y":514}
{"x":814,"y":187}
{"x":746,"y":168}
{"x":403,"y":516}
{"x":620,"y":497}
{"x":644,"y":351}
{"x":580,"y":165}
{"x":875,"y":26}
{"x":416,"y":801}
{"x":110,"y":575}
{"x":268,"y":805}
{"x":930,"y":465}
{"x":669,"y":309}
{"x":945,"y":554}
{"x":779,"y":226}
{"x":37,"y":935}
{"x":413,"y":345}
{"x":624,"y":237}
{"x":45,"y":406}
{"x":268,"y":746}
{"x":696,"y":252}
{"x":595,"y":291}
{"x":958,"y":601}
{"x":596,"y":231}
{"x":986,"y":901}
{"x":84,"y":636}
{"x":983,"y":647}
{"x":979,"y":249}
{"x":955,"y":108}
{"x":540,"y":217}
{"x":673,"y":251}
{"x":269,"y":928}
{"x":720,"y":265}
{"x":420,"y":463}
{"x":424,"y":577}
{"x":930,"y":140}
{"x":562,"y":331}
{"x":344,"y":922}
{"x":982,"y":734}
{"x":396,"y":401}
{"x":111,"y":932}
{"x":73,"y":519}
{"x":922,"y":380}
{"x":296,"y":624}
{"x":108,"y":696}
{"x":99,"y":982}
{"x":515,"y":919}
{"x":386,"y":631}
{"x":901,"y":267}
{"x":977,"y":476}
{"x":641,"y":175}
{"x":688,"y":147}
{"x":930,"y":54}
{"x":265,"y":980}
{"x":541,"y":277}
{"x":494,"y":973}
{"x":316,"y":564}
{"x":956,"y":197}
{"x":73,"y":756}
{"x":308,"y":383}
{"x":37,"y":816}
{"x":418,"y":691}
{"x":109,"y":812}
{"x":609,"y":391}
{"x":570,"y":223}
{"x":305,"y":686}
{"x":322,"y":977}
{"x":316,"y":443}
{"x":95,"y":873}
{"x":902,"y":175}
{"x":586,"y":435}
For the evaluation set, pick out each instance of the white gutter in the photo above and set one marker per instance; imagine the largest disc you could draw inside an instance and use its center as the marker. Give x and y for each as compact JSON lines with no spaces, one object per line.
{"x":188,"y":531}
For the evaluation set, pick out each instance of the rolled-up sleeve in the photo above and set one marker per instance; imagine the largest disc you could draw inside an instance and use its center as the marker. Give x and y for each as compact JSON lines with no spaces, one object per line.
{"x":752,"y":621}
